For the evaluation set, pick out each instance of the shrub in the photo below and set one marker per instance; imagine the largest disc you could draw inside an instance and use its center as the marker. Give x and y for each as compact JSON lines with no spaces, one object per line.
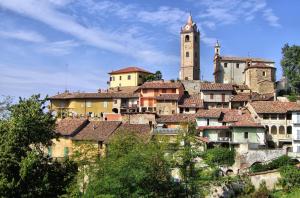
{"x":219,"y":156}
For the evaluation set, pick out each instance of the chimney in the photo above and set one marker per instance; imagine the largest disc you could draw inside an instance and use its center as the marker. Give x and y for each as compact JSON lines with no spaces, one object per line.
{"x":99,"y":90}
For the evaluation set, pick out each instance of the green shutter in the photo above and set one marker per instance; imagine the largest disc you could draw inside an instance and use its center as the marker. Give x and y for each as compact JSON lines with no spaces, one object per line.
{"x":66,"y":152}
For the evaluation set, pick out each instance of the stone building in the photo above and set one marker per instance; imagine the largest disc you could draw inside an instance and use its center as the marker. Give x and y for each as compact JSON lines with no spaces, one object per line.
{"x":190,"y":52}
{"x":257,"y":73}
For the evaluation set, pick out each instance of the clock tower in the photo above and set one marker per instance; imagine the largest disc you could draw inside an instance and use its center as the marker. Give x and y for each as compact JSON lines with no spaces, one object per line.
{"x":190,"y":52}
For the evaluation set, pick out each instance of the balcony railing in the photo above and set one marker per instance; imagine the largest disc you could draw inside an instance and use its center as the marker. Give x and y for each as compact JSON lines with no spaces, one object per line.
{"x":224,"y":139}
{"x":165,"y":131}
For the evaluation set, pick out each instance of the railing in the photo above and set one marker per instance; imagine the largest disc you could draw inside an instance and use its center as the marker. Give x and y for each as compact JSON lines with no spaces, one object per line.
{"x":165,"y":131}
{"x":224,"y":139}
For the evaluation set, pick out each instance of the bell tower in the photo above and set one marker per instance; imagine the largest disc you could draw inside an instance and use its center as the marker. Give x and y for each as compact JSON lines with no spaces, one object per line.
{"x":190,"y":51}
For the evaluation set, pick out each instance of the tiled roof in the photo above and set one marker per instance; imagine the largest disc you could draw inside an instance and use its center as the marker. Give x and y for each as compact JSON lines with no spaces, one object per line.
{"x":129,"y":70}
{"x":127,"y":89}
{"x":246,"y":123}
{"x":78,"y":95}
{"x":160,"y":85}
{"x":241,"y":87}
{"x":216,"y":87}
{"x":241,"y":97}
{"x":176,"y":118}
{"x":70,"y":126}
{"x":191,"y":101}
{"x":259,"y":65}
{"x":274,"y":106}
{"x":142,"y":130}
{"x":209,"y":113}
{"x":228,"y":58}
{"x":97,"y":130}
{"x":168,"y":97}
{"x":234,"y":115}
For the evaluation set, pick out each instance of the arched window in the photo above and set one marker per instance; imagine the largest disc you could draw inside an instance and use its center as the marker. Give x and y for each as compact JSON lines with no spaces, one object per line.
{"x":273,"y":130}
{"x":187,"y":54}
{"x":281,"y":130}
{"x":187,"y":38}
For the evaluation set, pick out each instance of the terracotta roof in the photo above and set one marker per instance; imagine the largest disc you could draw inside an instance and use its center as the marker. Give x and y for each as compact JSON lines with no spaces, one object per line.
{"x":78,"y":95}
{"x":129,"y":70}
{"x":274,"y":106}
{"x":246,"y":123}
{"x":259,"y":65}
{"x":209,"y":113}
{"x":234,"y":115}
{"x":191,"y":101}
{"x":142,"y":130}
{"x":160,"y":85}
{"x":241,"y":97}
{"x":216,"y":87}
{"x":168,"y":97}
{"x":176,"y":118}
{"x":127,"y":89}
{"x":230,"y":58}
{"x":70,"y":126}
{"x":241,"y":87}
{"x":97,"y":130}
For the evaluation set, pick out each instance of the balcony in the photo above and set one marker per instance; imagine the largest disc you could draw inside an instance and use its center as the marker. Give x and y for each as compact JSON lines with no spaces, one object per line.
{"x":224,"y":139}
{"x":166,"y":131}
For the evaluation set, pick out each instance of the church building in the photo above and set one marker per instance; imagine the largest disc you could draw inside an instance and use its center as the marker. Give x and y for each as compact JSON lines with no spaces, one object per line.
{"x":190,"y":52}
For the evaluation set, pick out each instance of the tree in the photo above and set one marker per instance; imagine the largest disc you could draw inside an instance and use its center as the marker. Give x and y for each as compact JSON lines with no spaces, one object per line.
{"x":25,"y":171}
{"x":131,"y":168}
{"x":291,"y":65}
{"x":290,"y":177}
{"x":153,"y":77}
{"x":219,"y":156}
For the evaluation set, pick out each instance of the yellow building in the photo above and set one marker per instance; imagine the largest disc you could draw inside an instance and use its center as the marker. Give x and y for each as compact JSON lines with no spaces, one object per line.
{"x":82,"y":104}
{"x":129,"y":76}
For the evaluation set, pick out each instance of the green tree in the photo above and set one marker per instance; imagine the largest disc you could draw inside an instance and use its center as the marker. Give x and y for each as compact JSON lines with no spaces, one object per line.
{"x":290,"y":63}
{"x":290,"y":177}
{"x":131,"y":168}
{"x":153,"y":77}
{"x":219,"y":156}
{"x":25,"y":171}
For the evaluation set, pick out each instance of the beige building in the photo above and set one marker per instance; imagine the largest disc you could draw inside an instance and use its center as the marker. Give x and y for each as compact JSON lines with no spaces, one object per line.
{"x":129,"y":76}
{"x":190,"y":51}
{"x":257,"y":73}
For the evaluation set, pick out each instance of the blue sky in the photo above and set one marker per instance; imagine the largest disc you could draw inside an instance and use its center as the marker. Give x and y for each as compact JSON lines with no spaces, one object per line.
{"x":50,"y":45}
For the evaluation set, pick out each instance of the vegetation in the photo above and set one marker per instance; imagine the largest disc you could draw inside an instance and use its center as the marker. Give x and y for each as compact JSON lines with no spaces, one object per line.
{"x":219,"y":156}
{"x":153,"y":77}
{"x":24,"y":169}
{"x":274,"y":164}
{"x":291,"y":65}
{"x":290,"y":177}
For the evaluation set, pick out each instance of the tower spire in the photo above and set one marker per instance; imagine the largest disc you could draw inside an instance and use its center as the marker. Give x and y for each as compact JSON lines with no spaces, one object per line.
{"x":190,"y":20}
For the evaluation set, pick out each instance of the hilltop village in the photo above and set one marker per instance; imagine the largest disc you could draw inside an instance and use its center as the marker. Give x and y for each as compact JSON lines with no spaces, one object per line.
{"x":239,"y":110}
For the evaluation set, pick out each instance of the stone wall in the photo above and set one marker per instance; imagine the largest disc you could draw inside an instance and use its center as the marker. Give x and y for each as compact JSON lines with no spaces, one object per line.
{"x":192,"y":86}
{"x":139,"y":118}
{"x":270,"y":177}
{"x":166,"y":107}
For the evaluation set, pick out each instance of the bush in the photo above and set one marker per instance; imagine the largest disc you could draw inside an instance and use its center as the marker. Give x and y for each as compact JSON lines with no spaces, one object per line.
{"x":290,"y":177}
{"x":219,"y":156}
{"x":274,"y":164}
{"x":292,"y":97}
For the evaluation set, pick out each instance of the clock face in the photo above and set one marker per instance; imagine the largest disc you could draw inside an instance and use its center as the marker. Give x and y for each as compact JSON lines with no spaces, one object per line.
{"x":187,"y":27}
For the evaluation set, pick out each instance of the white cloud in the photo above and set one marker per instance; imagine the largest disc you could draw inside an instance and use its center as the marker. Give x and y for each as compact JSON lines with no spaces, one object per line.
{"x":58,"y":47}
{"x":102,"y":38}
{"x":271,"y":17}
{"x":23,"y":35}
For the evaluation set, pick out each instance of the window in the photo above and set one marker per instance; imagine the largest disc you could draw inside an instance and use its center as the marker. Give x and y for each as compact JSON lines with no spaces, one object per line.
{"x":187,"y":54}
{"x":281,"y":116}
{"x":211,"y":96}
{"x":264,"y":73}
{"x":298,"y":149}
{"x":120,"y":84}
{"x":164,"y":91}
{"x":128,"y":77}
{"x":298,"y":134}
{"x":113,"y":78}
{"x":187,"y":38}
{"x":273,"y":130}
{"x":289,"y":130}
{"x":105,"y":104}
{"x":100,"y":144}
{"x":173,"y":111}
{"x":120,"y":77}
{"x":66,"y":151}
{"x":140,"y":76}
{"x":88,"y":104}
{"x":246,"y":135}
{"x":207,"y":122}
{"x":187,"y":110}
{"x":50,"y":151}
{"x":110,"y":79}
{"x":237,"y":65}
{"x":266,"y":116}
{"x":289,"y":116}
{"x":274,"y":116}
{"x":298,"y":117}
{"x":115,"y":101}
{"x":225,"y":65}
{"x":173,"y":102}
{"x":174,"y":91}
{"x":281,"y":130}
